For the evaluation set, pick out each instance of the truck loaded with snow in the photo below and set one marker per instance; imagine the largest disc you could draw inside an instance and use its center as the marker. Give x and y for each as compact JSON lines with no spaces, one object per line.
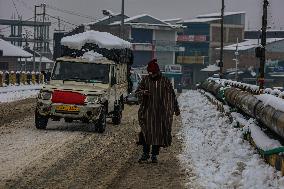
{"x":89,"y":83}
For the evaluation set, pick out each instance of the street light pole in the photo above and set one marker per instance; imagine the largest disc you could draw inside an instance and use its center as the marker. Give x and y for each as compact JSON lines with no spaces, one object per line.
{"x":263,"y":44}
{"x":222,"y":40}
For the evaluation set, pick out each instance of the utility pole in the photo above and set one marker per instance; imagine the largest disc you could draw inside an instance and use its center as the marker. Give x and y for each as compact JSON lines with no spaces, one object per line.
{"x":122,"y":20}
{"x":40,"y":33}
{"x":222,"y":40}
{"x":263,"y":44}
{"x":237,"y":59}
{"x":35,"y":37}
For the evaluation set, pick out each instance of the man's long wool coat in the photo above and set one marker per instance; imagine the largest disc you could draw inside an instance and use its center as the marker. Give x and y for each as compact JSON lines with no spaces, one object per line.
{"x":156,"y":110}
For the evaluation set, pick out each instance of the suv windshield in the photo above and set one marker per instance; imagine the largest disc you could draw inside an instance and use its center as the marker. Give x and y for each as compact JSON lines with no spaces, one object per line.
{"x":86,"y":72}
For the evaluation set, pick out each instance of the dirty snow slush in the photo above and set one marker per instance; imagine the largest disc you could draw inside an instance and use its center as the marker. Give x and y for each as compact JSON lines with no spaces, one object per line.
{"x":67,"y":155}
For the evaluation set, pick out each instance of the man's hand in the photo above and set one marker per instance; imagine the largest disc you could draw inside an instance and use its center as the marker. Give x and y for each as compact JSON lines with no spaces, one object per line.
{"x":146,"y":93}
{"x":177,"y":113}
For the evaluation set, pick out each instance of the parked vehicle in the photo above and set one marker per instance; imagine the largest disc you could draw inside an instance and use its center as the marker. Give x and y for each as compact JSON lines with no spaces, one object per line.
{"x":135,"y":79}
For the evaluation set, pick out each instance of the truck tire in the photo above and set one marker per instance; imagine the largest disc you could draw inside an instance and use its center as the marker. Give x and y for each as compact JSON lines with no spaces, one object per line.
{"x":117,"y":114}
{"x":122,"y":102}
{"x":101,"y":123}
{"x":68,"y":120}
{"x":40,"y":121}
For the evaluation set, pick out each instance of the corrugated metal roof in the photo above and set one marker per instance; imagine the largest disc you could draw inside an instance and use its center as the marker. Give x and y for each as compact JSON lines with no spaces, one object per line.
{"x":249,"y":43}
{"x":211,"y":15}
{"x":199,"y":20}
{"x":128,"y":20}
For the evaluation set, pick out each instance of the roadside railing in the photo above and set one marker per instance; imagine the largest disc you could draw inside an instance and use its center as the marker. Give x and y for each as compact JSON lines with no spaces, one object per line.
{"x":12,"y":78}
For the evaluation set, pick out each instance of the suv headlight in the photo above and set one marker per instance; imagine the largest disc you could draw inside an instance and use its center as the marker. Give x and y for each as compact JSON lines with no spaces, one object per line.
{"x":92,"y":99}
{"x":45,"y":95}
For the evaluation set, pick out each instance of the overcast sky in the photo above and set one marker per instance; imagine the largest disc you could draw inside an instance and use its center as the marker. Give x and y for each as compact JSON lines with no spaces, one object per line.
{"x":163,"y":9}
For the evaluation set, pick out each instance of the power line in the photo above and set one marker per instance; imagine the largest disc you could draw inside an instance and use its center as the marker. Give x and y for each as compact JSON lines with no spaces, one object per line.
{"x":71,"y":12}
{"x":25,"y":4}
{"x":63,"y":19}
{"x":16,"y":8}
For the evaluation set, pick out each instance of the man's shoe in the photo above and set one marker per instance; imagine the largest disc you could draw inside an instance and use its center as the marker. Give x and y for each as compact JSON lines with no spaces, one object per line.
{"x":154,"y":159}
{"x":144,"y":158}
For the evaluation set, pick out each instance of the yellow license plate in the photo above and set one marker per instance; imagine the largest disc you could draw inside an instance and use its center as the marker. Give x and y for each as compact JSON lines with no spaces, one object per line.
{"x":67,"y":108}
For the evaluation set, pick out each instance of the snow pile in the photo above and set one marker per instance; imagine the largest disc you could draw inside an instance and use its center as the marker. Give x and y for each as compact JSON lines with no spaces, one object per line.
{"x":271,"y":100}
{"x":102,"y":39}
{"x":268,"y":90}
{"x":260,"y":139}
{"x":211,"y":68}
{"x":92,"y":56}
{"x":244,"y":86}
{"x":219,"y":155}
{"x":281,"y":95}
{"x":13,"y":93}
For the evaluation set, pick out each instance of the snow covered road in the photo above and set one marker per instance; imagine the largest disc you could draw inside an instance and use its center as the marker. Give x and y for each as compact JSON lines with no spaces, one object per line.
{"x":217,"y":153}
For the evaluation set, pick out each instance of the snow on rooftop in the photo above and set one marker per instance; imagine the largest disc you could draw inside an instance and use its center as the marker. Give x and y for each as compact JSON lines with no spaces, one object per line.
{"x":92,"y":56}
{"x":139,"y":16}
{"x":37,"y":59}
{"x":218,"y":14}
{"x":102,"y":39}
{"x":200,"y":20}
{"x":101,"y":19}
{"x":12,"y":50}
{"x":172,"y":20}
{"x":210,"y":68}
{"x":249,"y":43}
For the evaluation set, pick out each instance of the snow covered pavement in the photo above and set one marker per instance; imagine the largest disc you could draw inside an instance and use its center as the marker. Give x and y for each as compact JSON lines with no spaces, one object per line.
{"x":216,"y":150}
{"x":13,"y":93}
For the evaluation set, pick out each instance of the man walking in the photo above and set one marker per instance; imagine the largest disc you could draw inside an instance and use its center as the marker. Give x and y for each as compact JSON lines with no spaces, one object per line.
{"x":158,"y":105}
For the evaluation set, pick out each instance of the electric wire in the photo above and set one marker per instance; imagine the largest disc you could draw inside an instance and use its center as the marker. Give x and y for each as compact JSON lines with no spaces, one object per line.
{"x":71,"y":12}
{"x":16,"y":8}
{"x":62,"y":19}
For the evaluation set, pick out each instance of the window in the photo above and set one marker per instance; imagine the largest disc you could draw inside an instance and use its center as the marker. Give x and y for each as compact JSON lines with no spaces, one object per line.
{"x":87,"y":72}
{"x":4,"y":66}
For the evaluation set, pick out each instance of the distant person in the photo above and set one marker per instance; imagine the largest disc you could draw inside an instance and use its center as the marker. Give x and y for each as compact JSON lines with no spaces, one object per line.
{"x":48,"y":75}
{"x":158,"y":105}
{"x":44,"y":76}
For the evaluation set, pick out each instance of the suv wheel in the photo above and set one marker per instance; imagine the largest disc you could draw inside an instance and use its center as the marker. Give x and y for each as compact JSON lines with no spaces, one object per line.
{"x":68,"y":120}
{"x":117,"y":115}
{"x":101,"y":123}
{"x":122,"y":102}
{"x":40,"y":121}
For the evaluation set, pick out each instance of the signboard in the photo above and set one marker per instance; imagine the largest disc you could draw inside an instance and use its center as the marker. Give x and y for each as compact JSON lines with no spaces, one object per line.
{"x":190,"y":59}
{"x":193,"y":38}
{"x":142,"y":47}
{"x":168,"y":48}
{"x":173,"y":68}
{"x":279,"y":69}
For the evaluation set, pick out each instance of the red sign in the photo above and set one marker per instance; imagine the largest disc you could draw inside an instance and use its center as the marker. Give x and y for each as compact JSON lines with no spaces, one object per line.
{"x":185,"y":38}
{"x":199,"y":38}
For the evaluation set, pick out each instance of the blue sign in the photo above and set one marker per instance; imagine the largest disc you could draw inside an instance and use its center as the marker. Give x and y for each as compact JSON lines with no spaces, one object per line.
{"x":279,"y":69}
